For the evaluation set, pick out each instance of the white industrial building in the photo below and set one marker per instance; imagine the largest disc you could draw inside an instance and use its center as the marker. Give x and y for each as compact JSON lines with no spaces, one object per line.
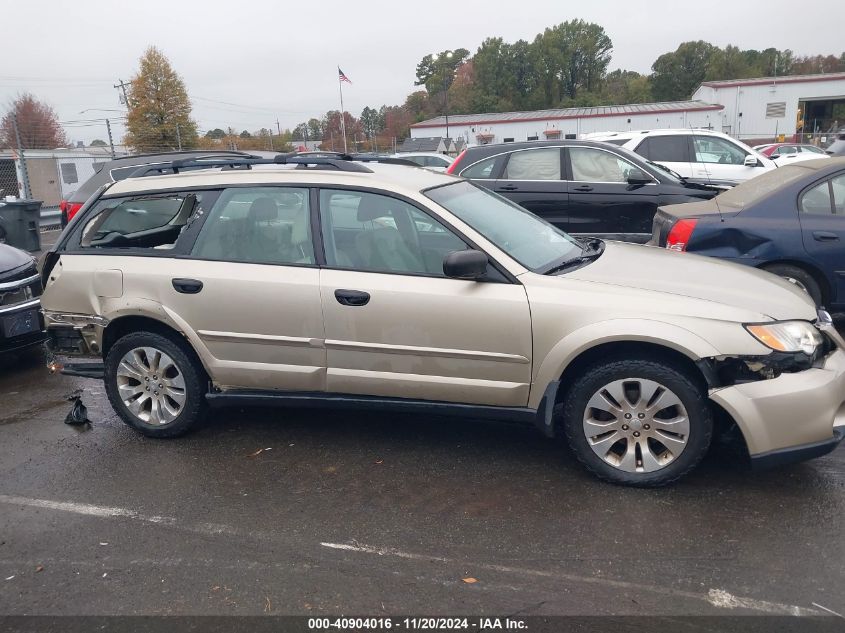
{"x":745,"y":108}
{"x":771,"y":106}
{"x":505,"y":127}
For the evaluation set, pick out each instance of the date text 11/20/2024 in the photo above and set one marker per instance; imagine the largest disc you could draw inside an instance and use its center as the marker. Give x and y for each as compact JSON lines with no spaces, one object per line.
{"x":417,"y":624}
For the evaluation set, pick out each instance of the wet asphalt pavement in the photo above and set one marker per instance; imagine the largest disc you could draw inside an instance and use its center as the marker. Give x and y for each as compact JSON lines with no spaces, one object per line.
{"x":367,"y":514}
{"x":377,"y":514}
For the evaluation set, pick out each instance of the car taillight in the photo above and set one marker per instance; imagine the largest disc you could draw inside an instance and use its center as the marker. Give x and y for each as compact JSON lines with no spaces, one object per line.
{"x":680,"y":234}
{"x":451,"y":169}
{"x":71,"y":209}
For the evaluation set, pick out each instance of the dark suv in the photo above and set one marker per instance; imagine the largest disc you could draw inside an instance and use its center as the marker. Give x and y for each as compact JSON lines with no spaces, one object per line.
{"x":20,"y":288}
{"x":587,"y":188}
{"x":120,"y":168}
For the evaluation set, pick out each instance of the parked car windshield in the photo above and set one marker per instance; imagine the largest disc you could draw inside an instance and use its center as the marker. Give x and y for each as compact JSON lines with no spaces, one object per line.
{"x":761,"y":186}
{"x":532,"y":242}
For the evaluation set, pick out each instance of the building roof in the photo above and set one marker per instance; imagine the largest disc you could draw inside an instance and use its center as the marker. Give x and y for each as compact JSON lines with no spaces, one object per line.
{"x":426,"y":144}
{"x":568,"y":113}
{"x":785,"y":79}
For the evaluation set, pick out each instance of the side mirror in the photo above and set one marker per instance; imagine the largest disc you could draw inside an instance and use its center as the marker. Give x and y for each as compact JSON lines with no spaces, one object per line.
{"x":465,"y":264}
{"x":638,"y":177}
{"x":751,"y":161}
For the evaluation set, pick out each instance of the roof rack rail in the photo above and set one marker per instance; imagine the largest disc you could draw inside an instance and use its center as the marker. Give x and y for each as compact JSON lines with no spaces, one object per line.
{"x":301,"y":162}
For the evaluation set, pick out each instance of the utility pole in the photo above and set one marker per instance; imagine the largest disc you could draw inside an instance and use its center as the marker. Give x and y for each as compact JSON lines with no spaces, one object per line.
{"x":111,"y":142}
{"x":122,"y":85}
{"x":178,"y":137}
{"x":270,"y":135}
{"x":278,"y":127}
{"x":27,"y":193}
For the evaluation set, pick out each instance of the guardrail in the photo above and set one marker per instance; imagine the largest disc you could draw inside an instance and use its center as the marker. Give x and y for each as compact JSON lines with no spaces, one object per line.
{"x":51,"y":217}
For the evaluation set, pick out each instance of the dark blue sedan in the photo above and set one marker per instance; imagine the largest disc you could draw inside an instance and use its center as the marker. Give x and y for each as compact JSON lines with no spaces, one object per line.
{"x":789,"y":221}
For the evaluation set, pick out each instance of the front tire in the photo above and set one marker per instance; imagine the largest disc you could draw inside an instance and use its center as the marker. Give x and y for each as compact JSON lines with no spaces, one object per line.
{"x":637,"y":422}
{"x":154,"y":385}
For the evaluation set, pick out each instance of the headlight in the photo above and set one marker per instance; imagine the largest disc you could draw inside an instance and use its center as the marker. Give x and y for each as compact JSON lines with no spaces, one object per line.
{"x":787,"y":336}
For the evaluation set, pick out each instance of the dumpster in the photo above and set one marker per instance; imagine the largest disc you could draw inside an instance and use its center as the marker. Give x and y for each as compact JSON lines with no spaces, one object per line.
{"x":20,"y":223}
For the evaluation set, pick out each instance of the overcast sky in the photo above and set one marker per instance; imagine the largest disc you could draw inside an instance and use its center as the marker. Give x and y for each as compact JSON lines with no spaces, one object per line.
{"x":272,"y":59}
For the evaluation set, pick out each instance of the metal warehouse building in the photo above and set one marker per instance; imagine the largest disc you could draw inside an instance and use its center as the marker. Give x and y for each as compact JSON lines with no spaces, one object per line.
{"x":761,"y":108}
{"x":504,"y":127}
{"x":770,"y":106}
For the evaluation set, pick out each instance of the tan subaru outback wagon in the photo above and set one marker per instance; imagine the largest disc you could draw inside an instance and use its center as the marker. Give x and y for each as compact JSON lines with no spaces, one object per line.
{"x":341,"y":284}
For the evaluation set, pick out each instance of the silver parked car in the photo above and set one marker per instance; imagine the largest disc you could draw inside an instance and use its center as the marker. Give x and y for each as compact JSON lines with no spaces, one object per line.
{"x":381,"y":286}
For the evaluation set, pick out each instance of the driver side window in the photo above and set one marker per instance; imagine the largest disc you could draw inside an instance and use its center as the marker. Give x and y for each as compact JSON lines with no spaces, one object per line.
{"x":371,"y":232}
{"x":596,"y":165}
{"x":717,"y":150}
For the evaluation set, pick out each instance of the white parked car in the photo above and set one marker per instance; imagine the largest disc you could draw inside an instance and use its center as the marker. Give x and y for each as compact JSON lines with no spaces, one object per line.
{"x":701,"y":156}
{"x":430,"y":160}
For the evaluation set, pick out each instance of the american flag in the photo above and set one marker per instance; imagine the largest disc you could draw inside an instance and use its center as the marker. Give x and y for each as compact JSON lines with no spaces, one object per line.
{"x":341,"y":76}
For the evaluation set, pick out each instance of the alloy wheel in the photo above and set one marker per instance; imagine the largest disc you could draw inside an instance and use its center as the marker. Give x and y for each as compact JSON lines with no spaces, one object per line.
{"x":636,"y":425}
{"x":151,"y":385}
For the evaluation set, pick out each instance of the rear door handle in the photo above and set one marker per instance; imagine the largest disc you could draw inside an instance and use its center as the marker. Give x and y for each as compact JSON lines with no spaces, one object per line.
{"x":352,"y":297}
{"x":825,"y":236}
{"x":508,"y":188}
{"x":583,"y":188}
{"x":187,"y":286}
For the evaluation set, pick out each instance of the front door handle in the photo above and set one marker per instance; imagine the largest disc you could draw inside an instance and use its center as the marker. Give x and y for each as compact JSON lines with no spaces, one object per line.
{"x":583,"y":188}
{"x":825,"y":236}
{"x":508,"y":188}
{"x":187,"y":286}
{"x":352,"y":297}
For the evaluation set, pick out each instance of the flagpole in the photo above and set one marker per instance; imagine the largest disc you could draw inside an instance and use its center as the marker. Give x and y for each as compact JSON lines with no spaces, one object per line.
{"x":342,"y":118}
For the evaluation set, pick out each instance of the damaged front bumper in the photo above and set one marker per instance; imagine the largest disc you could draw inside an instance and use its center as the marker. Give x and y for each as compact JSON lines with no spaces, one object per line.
{"x":795,"y":416}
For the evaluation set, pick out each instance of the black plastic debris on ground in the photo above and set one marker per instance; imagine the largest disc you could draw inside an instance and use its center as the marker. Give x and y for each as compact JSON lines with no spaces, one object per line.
{"x":78,"y":414}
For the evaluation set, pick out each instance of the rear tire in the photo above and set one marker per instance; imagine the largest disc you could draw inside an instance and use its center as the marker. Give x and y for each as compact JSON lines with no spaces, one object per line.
{"x":155,"y":385}
{"x":800,"y":278}
{"x":637,"y":422}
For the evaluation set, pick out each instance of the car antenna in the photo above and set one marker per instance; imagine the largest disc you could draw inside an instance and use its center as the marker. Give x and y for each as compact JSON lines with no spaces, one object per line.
{"x":716,"y":197}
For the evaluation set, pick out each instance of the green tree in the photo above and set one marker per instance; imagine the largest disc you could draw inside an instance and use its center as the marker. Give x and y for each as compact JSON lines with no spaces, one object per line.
{"x":436,"y":72}
{"x":159,"y":113}
{"x":625,"y":86}
{"x":315,"y":129}
{"x":245,"y":134}
{"x":216,"y":133}
{"x":732,"y":63}
{"x":98,"y":143}
{"x":370,"y":122}
{"x":571,"y":57}
{"x":676,"y":75}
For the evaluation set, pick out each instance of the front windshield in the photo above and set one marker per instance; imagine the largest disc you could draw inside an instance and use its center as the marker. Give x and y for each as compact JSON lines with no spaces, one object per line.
{"x":532,"y":242}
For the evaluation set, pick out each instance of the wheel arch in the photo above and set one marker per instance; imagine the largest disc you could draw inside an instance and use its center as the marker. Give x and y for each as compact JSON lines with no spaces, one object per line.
{"x":128,"y":324}
{"x":620,"y":336}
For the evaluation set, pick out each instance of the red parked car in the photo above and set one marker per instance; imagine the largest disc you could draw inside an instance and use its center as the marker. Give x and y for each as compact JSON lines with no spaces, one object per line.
{"x":784,"y":153}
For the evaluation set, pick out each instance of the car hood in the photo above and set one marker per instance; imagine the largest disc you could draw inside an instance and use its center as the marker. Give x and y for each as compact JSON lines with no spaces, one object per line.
{"x":14,"y":262}
{"x":697,"y":277}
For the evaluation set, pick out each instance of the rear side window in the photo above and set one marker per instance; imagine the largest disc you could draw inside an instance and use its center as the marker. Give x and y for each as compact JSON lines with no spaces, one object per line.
{"x":534,"y":164}
{"x":825,"y":198}
{"x":143,"y":222}
{"x":837,"y":185}
{"x":259,"y":225}
{"x":667,"y":149}
{"x":483,"y":170}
